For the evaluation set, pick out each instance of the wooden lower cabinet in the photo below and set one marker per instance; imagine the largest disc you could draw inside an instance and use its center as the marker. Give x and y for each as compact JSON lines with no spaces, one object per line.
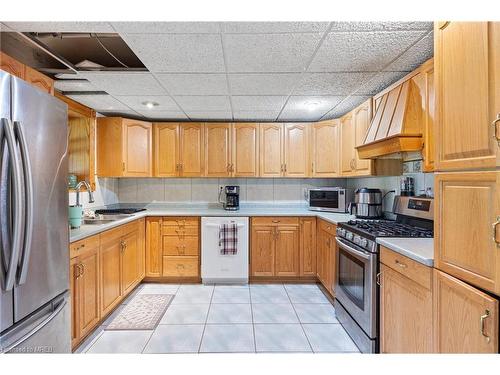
{"x":405,"y":305}
{"x":466,"y":319}
{"x":326,"y":255}
{"x":110,"y":275}
{"x":131,"y":260}
{"x":307,"y":250}
{"x":85,"y":290}
{"x":275,"y":247}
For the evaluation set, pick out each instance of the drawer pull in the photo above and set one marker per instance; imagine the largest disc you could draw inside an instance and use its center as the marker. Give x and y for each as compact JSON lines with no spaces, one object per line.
{"x":483,"y":318}
{"x":495,"y":224}
{"x":276,"y":221}
{"x":180,"y":266}
{"x":402,"y":265}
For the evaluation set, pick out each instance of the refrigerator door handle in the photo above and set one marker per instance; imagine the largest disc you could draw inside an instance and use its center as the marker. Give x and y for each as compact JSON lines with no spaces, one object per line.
{"x":43,"y":323}
{"x":18,"y":216}
{"x":28,"y":190}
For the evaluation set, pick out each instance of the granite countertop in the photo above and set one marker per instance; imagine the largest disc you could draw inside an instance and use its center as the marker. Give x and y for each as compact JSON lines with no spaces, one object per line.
{"x":207,"y":210}
{"x":418,"y":249}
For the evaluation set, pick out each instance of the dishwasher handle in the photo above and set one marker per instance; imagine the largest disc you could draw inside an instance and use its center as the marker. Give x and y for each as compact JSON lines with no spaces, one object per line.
{"x":218,"y":225}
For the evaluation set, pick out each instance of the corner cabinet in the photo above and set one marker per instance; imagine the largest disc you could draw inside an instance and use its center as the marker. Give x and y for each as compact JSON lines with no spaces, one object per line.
{"x":124,"y":147}
{"x":467,"y":72}
{"x":466,"y":319}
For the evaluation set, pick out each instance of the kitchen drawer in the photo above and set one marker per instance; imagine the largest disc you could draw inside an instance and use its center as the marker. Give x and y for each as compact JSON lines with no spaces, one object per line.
{"x":275,"y":221}
{"x":413,"y":270}
{"x":79,"y":247}
{"x":180,"y":266}
{"x":180,"y":221}
{"x":327,"y":227}
{"x":173,"y":245}
{"x":179,"y":231}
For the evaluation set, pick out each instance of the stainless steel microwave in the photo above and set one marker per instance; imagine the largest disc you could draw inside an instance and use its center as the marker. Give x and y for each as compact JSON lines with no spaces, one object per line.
{"x":331,"y":199}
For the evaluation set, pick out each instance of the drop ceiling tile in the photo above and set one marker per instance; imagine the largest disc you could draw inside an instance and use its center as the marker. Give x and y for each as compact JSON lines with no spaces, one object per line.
{"x":380,"y":26}
{"x":100,"y":102}
{"x":272,"y":27}
{"x":74,"y":85}
{"x":210,"y":115}
{"x":262,"y":83}
{"x":256,"y":115}
{"x":163,"y":115}
{"x":415,"y":55}
{"x":258,"y":103}
{"x":166,"y":27}
{"x":347,"y":105}
{"x":269,"y":52}
{"x":75,"y":27}
{"x":379,"y":82}
{"x":317,"y":103}
{"x":165,"y":103}
{"x":204,"y":103}
{"x":194,"y":84}
{"x":300,"y":116}
{"x":361,"y":52}
{"x":183,"y":53}
{"x":130,"y":83}
{"x":331,"y":83}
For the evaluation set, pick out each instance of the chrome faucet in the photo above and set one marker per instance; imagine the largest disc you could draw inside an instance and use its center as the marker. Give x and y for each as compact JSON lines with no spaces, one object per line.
{"x":89,"y":190}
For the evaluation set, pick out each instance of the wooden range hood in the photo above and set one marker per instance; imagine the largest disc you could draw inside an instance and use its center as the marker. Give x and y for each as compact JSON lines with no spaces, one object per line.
{"x":397,"y":125}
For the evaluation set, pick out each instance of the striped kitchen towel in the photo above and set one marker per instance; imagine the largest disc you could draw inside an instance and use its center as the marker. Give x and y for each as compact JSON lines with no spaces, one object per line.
{"x":228,"y":239}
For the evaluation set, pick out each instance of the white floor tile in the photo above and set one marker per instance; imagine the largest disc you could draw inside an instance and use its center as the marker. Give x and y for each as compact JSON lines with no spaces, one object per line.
{"x":186,"y":314}
{"x":307,"y":296}
{"x":329,"y":338}
{"x":280,"y":338}
{"x":274,"y":313}
{"x":221,"y":313}
{"x":90,"y":340}
{"x":121,"y":342}
{"x":226,"y":338}
{"x":301,"y":287}
{"x":175,"y":339}
{"x":193,"y":294}
{"x":316,"y":313}
{"x":268,"y":293}
{"x":231,"y":294}
{"x":159,"y":289}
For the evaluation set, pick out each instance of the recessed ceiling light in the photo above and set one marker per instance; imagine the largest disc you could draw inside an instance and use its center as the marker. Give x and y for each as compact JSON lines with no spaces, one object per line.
{"x":150,"y":105}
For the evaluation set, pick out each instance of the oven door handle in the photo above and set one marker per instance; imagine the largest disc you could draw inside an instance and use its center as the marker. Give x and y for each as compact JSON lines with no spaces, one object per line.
{"x":353,"y":251}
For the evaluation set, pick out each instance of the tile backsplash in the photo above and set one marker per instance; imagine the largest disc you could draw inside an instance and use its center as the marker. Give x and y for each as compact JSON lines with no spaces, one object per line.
{"x":206,"y":190}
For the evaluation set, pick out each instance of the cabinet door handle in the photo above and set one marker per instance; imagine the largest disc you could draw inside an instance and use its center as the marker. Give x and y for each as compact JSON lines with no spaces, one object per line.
{"x":483,"y":318}
{"x":494,"y":226}
{"x":444,"y":25}
{"x":83,"y":269}
{"x":494,"y":124}
{"x":402,"y":265}
{"x":378,"y":279}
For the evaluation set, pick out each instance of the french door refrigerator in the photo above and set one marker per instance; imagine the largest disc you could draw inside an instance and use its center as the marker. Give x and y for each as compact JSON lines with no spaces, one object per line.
{"x":34,"y":264}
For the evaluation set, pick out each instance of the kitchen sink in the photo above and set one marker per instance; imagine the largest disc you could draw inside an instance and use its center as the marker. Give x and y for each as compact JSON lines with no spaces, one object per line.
{"x":97,"y":221}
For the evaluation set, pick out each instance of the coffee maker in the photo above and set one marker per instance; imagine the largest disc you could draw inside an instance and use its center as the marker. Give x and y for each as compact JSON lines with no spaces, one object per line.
{"x":231,"y":200}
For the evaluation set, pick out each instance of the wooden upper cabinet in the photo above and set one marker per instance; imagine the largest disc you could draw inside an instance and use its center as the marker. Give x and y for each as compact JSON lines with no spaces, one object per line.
{"x":467,"y":205}
{"x":39,"y":80}
{"x":405,"y":313}
{"x":466,"y":319}
{"x":271,"y":150}
{"x":325,"y":148}
{"x":467,"y":75}
{"x":218,"y":150}
{"x":245,"y":150}
{"x":296,"y":150}
{"x":124,"y":147}
{"x":347,"y":143}
{"x":361,"y":117}
{"x":137,"y":148}
{"x":166,"y":149}
{"x":11,"y":65}
{"x":191,"y":149}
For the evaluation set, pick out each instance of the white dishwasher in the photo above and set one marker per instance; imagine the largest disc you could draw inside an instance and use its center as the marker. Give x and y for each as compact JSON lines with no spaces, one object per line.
{"x":218,"y":268}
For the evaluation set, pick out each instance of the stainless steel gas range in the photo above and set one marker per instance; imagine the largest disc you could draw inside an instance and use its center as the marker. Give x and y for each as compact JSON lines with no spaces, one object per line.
{"x":356,"y":287}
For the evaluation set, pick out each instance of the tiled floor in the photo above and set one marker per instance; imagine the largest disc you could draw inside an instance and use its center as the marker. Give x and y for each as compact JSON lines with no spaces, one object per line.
{"x":273,"y":318}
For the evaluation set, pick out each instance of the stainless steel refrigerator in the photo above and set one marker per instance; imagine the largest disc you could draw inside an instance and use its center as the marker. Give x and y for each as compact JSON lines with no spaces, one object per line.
{"x":34,"y":264}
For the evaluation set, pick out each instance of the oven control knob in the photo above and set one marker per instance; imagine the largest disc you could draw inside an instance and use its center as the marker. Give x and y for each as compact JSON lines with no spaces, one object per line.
{"x":349,"y":236}
{"x":357,"y":240}
{"x":363,"y":242}
{"x":341,"y":232}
